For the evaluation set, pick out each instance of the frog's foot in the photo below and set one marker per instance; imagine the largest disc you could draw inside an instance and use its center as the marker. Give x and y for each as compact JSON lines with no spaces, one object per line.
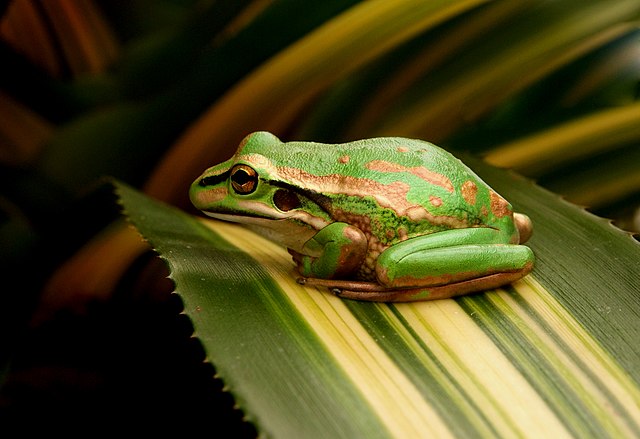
{"x":431,"y":293}
{"x":336,"y":286}
{"x":374,"y":292}
{"x":334,"y":252}
{"x":357,"y":290}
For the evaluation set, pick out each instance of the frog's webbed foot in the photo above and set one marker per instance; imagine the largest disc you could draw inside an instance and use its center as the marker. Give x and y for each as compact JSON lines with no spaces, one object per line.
{"x":373,"y":292}
{"x":362,"y":290}
{"x":352,"y":289}
{"x":338,"y":285}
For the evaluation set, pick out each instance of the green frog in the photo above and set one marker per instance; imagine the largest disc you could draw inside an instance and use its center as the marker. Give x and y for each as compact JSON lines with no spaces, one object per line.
{"x":384,"y":219}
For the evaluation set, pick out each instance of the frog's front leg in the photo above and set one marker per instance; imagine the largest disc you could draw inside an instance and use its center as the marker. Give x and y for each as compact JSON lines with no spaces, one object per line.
{"x":336,"y":251}
{"x":447,"y":264}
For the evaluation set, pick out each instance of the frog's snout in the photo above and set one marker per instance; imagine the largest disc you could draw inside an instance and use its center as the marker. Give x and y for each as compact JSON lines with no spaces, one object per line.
{"x":524,"y":225}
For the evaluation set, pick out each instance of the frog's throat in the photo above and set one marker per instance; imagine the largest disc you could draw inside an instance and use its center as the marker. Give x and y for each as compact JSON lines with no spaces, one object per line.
{"x":291,"y":231}
{"x":259,"y":215}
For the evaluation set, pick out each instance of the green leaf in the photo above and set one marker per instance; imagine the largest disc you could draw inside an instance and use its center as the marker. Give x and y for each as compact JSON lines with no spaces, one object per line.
{"x":277,"y":92}
{"x":95,"y":143}
{"x":553,"y":355}
{"x":535,"y":359}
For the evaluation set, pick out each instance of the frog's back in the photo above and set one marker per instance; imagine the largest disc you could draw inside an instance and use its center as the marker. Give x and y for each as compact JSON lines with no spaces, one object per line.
{"x":425,"y":185}
{"x":413,"y":184}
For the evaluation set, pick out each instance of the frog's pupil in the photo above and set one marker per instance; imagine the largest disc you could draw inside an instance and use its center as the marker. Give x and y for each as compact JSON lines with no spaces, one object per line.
{"x":244,"y":179}
{"x":240,"y":177}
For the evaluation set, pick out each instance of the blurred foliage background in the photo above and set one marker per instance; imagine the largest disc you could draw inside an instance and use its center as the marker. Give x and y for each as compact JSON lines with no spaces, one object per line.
{"x":152,"y":92}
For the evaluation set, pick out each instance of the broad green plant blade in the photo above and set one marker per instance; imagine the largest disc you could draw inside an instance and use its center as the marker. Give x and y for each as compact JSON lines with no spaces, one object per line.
{"x":554,"y":355}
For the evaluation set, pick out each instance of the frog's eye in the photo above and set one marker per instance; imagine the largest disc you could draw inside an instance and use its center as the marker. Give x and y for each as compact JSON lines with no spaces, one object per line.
{"x":244,"y":179}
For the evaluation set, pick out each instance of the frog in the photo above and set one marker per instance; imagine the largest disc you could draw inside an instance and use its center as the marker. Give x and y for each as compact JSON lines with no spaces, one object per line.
{"x":384,"y":219}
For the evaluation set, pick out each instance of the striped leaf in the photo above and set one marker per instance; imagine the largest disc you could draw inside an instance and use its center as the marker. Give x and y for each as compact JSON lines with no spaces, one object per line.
{"x":535,"y":359}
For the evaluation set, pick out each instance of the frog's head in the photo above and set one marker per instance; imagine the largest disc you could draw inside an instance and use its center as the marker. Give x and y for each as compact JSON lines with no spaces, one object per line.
{"x":249,"y":189}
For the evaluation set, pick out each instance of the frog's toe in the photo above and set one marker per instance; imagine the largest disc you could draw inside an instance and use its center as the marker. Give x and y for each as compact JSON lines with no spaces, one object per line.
{"x":524,"y":226}
{"x":446,"y":291}
{"x":382,"y":296}
{"x":337,"y":286}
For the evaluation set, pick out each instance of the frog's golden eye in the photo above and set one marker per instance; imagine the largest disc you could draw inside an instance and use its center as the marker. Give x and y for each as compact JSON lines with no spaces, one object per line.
{"x":244,"y":179}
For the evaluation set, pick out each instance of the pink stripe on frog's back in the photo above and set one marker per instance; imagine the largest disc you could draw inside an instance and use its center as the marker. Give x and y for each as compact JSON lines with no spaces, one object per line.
{"x":419,"y":171}
{"x":391,"y":196}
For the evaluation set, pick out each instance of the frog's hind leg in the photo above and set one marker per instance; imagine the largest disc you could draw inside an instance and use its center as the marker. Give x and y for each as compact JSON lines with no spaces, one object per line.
{"x":451,"y":263}
{"x":440,"y":265}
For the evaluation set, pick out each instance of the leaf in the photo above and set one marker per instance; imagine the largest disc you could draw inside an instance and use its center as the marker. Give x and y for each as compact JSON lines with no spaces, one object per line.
{"x":94,"y":144}
{"x":275,"y":94}
{"x":90,"y":275}
{"x":478,"y":79}
{"x":68,"y":37}
{"x":616,"y":173}
{"x":22,"y":135}
{"x":532,"y":360}
{"x":363,"y":100}
{"x":569,"y":157}
{"x":567,"y":142}
{"x":553,"y":355}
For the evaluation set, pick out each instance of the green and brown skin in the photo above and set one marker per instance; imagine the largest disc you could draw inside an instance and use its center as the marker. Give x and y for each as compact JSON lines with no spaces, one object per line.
{"x":384,"y":219}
